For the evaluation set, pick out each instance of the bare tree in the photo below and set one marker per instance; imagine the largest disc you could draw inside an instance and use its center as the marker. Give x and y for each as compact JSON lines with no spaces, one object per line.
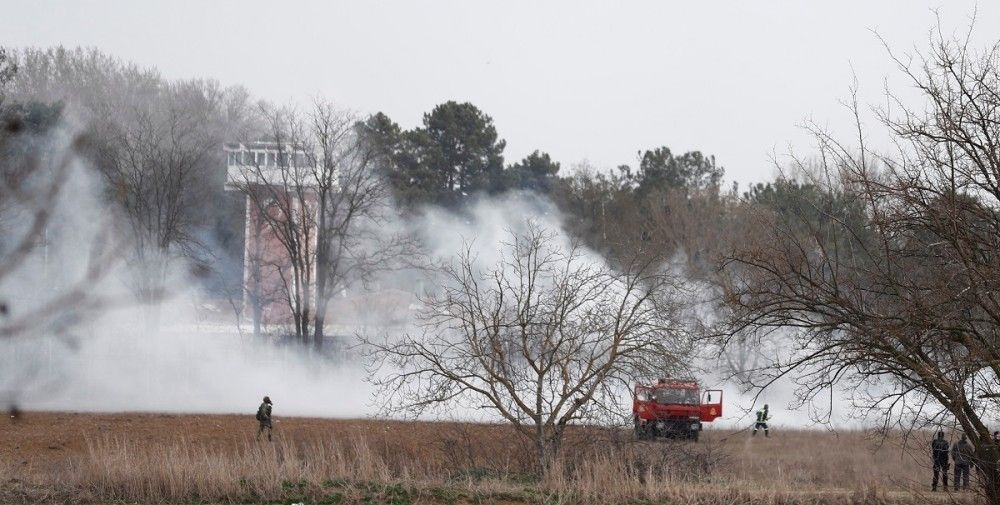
{"x":278,"y":182}
{"x":321,"y":197}
{"x":893,"y":289}
{"x":160,"y":173}
{"x":353,"y":206}
{"x":157,"y":145}
{"x":741,"y":358}
{"x":545,"y":338}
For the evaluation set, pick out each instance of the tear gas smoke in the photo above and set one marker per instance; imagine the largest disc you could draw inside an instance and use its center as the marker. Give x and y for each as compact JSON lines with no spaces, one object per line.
{"x":197,"y":359}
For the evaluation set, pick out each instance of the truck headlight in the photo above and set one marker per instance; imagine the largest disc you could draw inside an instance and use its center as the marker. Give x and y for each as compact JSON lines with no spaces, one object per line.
{"x":695,"y":426}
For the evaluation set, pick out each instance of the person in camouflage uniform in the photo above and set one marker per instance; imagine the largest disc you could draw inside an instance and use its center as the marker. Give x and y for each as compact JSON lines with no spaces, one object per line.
{"x":761,"y":423}
{"x":264,"y":418}
{"x":939,"y":457}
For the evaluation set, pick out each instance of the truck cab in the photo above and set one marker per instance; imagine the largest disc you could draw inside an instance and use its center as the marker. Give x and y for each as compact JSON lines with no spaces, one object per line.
{"x":674,"y":408}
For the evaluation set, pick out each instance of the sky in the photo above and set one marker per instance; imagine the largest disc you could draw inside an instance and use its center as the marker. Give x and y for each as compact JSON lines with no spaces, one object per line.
{"x":582,"y":80}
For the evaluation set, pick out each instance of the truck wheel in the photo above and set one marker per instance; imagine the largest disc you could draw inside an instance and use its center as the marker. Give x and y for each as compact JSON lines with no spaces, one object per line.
{"x":695,"y":435}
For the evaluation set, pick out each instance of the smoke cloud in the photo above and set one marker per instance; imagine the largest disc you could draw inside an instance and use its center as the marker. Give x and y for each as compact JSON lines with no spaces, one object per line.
{"x":197,"y":359}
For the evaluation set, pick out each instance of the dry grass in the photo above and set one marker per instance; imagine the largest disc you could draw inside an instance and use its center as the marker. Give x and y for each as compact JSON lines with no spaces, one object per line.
{"x":168,"y":459}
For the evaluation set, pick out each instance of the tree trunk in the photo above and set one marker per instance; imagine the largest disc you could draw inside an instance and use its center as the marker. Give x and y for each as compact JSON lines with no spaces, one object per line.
{"x":991,"y":486}
{"x":318,"y":329}
{"x":988,"y":467}
{"x":305,"y":289}
{"x":257,"y":314}
{"x":322,"y":269}
{"x":546,"y":448}
{"x":319,"y":318}
{"x":297,"y":317}
{"x":541,"y":451}
{"x":154,"y":287}
{"x":254,"y":242}
{"x":306,"y":315}
{"x":320,"y":297}
{"x":256,"y":300}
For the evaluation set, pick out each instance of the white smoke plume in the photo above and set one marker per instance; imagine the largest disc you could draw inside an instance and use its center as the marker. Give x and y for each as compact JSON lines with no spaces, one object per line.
{"x":198,"y":360}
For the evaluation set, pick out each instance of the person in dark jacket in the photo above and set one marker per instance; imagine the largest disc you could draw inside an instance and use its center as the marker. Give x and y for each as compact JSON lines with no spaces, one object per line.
{"x":962,"y":454}
{"x":939,"y":456}
{"x":761,"y":423}
{"x":264,"y":418}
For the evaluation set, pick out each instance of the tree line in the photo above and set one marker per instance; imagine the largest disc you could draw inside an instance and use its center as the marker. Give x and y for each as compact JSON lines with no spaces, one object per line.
{"x":156,"y":145}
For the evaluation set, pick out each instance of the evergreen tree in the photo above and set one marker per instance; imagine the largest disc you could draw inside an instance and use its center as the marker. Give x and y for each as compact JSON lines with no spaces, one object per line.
{"x":659,"y":169}
{"x":459,"y":145}
{"x":536,"y":172}
{"x":456,"y":153}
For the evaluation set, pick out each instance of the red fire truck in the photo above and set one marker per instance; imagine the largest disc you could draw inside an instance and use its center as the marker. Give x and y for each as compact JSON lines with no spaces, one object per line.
{"x":674,"y":408}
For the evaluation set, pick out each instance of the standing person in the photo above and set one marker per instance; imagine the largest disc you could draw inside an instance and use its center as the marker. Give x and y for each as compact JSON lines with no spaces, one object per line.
{"x":939,"y":455}
{"x":762,"y":418}
{"x":264,"y":418}
{"x":961,"y":454}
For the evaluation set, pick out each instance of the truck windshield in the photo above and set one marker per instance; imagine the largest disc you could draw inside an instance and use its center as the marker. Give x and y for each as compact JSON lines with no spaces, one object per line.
{"x":676,"y":396}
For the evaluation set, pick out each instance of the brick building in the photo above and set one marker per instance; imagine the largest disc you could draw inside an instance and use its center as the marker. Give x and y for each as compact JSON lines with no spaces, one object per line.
{"x":260,"y":171}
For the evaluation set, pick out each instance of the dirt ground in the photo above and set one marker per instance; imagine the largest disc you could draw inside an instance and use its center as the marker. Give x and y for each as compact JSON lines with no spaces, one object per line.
{"x":39,"y":440}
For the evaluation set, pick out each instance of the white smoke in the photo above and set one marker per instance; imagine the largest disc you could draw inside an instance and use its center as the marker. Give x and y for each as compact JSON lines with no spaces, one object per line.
{"x":190,"y":362}
{"x":112,"y":359}
{"x":198,"y":360}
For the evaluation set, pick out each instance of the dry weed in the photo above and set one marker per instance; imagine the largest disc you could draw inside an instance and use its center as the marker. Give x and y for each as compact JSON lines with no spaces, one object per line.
{"x":141,"y":459}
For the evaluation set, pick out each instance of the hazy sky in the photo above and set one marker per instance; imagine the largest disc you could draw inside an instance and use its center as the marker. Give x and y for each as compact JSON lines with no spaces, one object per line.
{"x":581,"y":80}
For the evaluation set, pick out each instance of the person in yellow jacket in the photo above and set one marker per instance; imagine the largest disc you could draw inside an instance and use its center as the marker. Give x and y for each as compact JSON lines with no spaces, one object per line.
{"x":762,"y":417}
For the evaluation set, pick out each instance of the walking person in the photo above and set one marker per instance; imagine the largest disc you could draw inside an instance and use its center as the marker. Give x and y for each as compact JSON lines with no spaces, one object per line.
{"x":939,"y":455}
{"x":761,"y":423}
{"x":264,"y":418}
{"x":962,"y":454}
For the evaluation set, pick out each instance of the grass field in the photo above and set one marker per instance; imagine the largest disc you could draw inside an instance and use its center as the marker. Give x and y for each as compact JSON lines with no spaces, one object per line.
{"x":152,"y":458}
